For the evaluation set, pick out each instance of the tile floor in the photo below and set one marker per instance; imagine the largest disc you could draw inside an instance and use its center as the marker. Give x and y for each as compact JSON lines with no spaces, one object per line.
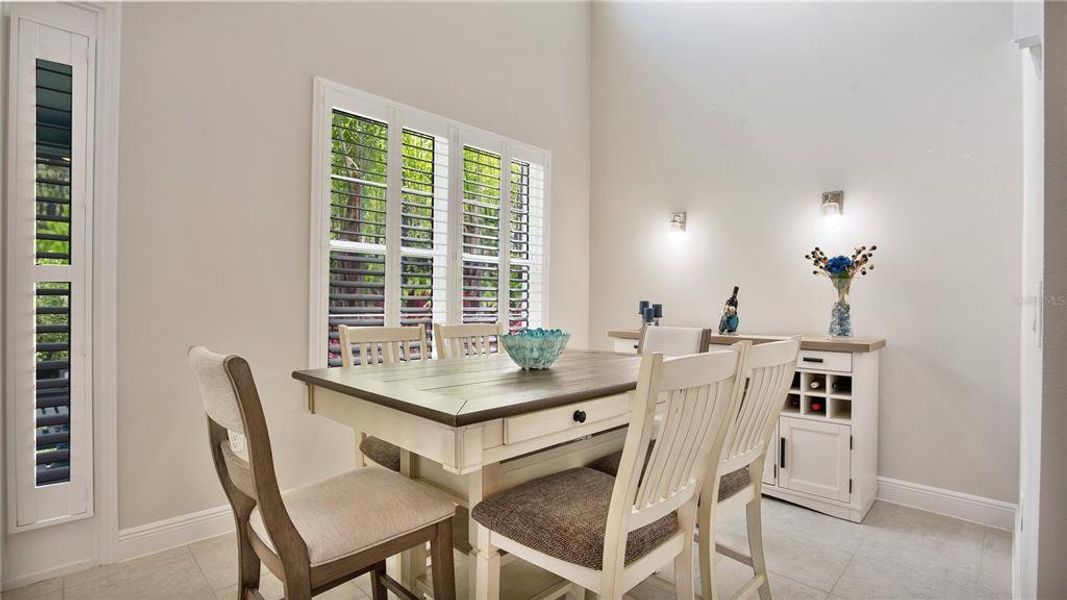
{"x":897,"y":553}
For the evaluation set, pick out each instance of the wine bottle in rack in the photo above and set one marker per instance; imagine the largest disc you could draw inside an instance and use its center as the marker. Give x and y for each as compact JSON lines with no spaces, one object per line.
{"x":815,"y":384}
{"x":841,"y":386}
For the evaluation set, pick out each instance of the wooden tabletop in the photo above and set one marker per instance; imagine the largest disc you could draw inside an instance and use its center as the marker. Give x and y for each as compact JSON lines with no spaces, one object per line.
{"x":464,"y":391}
{"x":806,"y":343}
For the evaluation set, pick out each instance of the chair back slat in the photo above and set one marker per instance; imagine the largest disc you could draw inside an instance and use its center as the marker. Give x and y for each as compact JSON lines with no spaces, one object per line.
{"x":671,"y":341}
{"x":698,"y":395}
{"x":473,"y":339}
{"x":239,"y":470}
{"x":381,"y":345}
{"x":769,"y":371}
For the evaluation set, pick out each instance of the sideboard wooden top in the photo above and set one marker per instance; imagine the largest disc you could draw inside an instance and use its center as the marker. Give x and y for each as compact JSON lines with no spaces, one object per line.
{"x":806,"y":342}
{"x":463,"y":391}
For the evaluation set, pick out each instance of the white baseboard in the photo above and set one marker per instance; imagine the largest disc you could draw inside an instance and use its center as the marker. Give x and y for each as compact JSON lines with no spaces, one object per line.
{"x":185,"y":529}
{"x":171,"y":533}
{"x":967,"y":507}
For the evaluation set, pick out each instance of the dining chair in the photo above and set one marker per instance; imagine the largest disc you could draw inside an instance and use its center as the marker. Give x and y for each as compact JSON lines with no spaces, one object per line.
{"x":381,"y":345}
{"x":608,"y":534}
{"x":318,"y":536}
{"x":673,"y":341}
{"x":768,"y":373}
{"x":468,"y":339}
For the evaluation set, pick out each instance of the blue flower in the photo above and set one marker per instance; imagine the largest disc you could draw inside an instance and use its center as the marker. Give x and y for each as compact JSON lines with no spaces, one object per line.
{"x":838,"y":265}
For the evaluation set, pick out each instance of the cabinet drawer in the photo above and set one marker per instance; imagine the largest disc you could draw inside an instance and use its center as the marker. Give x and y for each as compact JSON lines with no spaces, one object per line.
{"x":545,"y":422}
{"x":628,"y":346}
{"x":818,"y":360}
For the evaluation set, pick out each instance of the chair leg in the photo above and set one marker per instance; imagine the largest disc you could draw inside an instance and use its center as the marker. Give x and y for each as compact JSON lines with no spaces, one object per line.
{"x":706,"y":543}
{"x":296,"y":591}
{"x":377,"y":587}
{"x":683,"y":570}
{"x":248,"y":567}
{"x":444,"y":572}
{"x":754,"y":521}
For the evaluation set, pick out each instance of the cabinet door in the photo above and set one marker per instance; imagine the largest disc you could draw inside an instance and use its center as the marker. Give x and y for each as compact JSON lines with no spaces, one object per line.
{"x":814,"y":457}
{"x":770,"y":472}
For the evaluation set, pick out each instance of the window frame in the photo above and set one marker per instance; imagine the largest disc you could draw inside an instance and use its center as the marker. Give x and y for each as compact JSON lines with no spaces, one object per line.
{"x":328,"y":95}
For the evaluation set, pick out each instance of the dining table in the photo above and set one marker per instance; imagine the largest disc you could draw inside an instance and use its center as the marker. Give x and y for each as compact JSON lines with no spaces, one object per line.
{"x":476,"y":426}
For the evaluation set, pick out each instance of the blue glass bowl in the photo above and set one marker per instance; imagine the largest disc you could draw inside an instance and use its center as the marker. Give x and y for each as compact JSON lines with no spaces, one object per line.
{"x":535,"y":348}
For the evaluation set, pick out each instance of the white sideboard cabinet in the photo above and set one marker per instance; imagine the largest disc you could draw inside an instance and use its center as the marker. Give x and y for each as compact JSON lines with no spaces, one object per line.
{"x":824,"y":452}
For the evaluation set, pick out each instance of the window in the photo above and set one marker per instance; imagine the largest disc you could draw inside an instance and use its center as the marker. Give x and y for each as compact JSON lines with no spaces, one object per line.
{"x":49,"y":260}
{"x":389,"y":247}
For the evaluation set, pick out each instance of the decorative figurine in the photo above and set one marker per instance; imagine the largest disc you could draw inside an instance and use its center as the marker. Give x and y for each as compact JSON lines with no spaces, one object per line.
{"x":729,"y":321}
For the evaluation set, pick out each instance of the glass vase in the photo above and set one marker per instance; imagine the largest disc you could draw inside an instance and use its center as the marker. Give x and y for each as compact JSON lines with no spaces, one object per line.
{"x":840,"y":314}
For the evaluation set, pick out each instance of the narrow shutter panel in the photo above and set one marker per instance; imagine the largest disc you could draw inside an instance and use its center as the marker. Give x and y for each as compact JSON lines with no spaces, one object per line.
{"x":481,"y":236}
{"x":358,"y":163}
{"x":48,"y":275}
{"x":526,"y":245}
{"x":54,"y":97}
{"x":424,"y":223}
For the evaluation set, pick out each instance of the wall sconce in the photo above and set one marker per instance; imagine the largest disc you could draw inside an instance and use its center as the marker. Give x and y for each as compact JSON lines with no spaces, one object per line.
{"x":678,"y":222}
{"x":833,"y":207}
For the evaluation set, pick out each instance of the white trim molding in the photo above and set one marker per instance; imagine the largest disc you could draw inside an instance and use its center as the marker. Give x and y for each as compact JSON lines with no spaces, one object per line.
{"x":173,"y":532}
{"x":958,"y":505}
{"x":169,"y":533}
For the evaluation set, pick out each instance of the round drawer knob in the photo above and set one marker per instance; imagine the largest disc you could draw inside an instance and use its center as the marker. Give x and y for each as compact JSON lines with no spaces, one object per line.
{"x":579,"y":416}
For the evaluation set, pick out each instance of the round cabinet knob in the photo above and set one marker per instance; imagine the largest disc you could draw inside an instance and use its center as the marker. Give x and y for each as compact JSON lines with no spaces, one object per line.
{"x":579,"y":416}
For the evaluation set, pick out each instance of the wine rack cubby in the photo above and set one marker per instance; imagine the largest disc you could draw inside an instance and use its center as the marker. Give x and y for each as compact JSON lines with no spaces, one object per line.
{"x":820,"y":395}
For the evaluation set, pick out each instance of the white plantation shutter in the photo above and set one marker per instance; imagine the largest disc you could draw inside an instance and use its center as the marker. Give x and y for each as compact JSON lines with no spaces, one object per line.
{"x":424,"y":230}
{"x":526,"y":266}
{"x":481,"y":236}
{"x":49,"y":291}
{"x":388,"y":246}
{"x":358,"y":196}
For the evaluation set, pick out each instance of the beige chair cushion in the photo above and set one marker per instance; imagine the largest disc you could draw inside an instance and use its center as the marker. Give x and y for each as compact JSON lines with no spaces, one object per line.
{"x":358,"y":510}
{"x":381,"y":452}
{"x":729,"y":485}
{"x":565,"y":515}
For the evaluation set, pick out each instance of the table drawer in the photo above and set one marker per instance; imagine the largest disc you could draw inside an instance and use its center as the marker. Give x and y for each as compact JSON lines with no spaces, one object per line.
{"x":818,"y":360}
{"x":553,"y":420}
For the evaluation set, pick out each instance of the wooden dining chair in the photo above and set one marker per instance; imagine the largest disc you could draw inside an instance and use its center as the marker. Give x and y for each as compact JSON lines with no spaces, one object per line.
{"x":364,"y":346}
{"x":608,"y":534}
{"x":469,"y":339}
{"x":673,"y":341}
{"x":768,"y":373}
{"x":315,"y":537}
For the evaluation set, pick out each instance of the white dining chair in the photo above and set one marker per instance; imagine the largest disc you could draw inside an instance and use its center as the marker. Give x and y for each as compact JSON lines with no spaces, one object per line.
{"x":768,"y":372}
{"x":672,"y":341}
{"x":608,"y":534}
{"x":365,"y":346}
{"x":468,"y":339}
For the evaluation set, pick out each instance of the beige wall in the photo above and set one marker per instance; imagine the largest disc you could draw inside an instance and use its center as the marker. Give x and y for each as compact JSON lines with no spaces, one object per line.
{"x":214,"y":196}
{"x":744,"y":114}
